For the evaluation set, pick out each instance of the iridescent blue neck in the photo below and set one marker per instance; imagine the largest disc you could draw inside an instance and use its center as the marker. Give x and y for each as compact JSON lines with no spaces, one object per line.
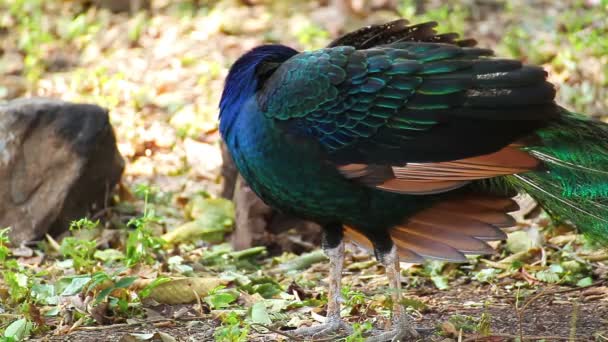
{"x":246,"y":76}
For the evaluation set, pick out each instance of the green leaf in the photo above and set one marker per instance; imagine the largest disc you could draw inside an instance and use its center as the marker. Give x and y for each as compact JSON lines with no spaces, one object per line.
{"x":434,"y":267}
{"x":556,"y":268}
{"x":98,"y":279}
{"x":146,"y":291}
{"x":573,"y":266}
{"x":231,"y":330}
{"x":441,"y":282}
{"x":259,"y":314}
{"x":103,"y":294}
{"x":463,"y":322}
{"x":486,"y":275}
{"x":221,"y":300}
{"x":267,"y":290}
{"x":109,"y":255}
{"x":547,"y":276}
{"x":83,"y":223}
{"x":125,"y":282}
{"x":76,"y":285}
{"x":53,"y":312}
{"x":123,"y":304}
{"x":176,"y":265}
{"x":44,"y":293}
{"x":249,"y":252}
{"x":19,"y":329}
{"x":212,"y":218}
{"x":584,"y":282}
{"x":4,"y":240}
{"x":523,"y":240}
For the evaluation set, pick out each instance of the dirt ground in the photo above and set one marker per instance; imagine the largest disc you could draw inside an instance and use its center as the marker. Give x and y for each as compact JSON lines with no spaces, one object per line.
{"x":550,"y":313}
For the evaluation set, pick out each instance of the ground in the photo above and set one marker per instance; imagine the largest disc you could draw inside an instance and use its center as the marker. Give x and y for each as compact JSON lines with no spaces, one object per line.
{"x":550,"y":317}
{"x":160,"y":73}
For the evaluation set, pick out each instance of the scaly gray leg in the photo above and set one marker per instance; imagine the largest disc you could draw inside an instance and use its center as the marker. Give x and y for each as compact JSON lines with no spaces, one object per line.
{"x":402,"y":329}
{"x":333,"y":322}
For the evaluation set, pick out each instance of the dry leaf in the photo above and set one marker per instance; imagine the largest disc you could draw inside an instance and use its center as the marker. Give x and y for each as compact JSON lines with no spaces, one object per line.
{"x":180,"y":290}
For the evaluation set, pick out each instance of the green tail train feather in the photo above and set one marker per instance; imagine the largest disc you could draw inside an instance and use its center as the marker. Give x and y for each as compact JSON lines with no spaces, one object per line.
{"x":574,"y":184}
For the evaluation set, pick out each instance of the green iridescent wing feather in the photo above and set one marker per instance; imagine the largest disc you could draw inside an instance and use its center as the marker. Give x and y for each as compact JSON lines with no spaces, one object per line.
{"x":383,"y":104}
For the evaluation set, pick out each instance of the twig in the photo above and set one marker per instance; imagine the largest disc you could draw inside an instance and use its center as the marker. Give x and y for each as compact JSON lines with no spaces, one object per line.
{"x":199,"y":302}
{"x":121,"y":325}
{"x":147,"y":321}
{"x":595,"y":257}
{"x":7,"y":315}
{"x":276,"y":331}
{"x":599,"y":282}
{"x":548,"y":293}
{"x":520,"y":318}
{"x":574,"y":319}
{"x":76,"y":325}
{"x":289,"y":336}
{"x":526,"y":337}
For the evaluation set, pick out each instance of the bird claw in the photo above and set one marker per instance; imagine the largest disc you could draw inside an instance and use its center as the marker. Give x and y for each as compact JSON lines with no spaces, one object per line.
{"x":325,"y":329}
{"x":402,"y":331}
{"x":398,"y":334}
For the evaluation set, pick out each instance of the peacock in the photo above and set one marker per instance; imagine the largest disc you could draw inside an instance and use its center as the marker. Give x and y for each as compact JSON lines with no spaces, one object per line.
{"x":411,"y":143}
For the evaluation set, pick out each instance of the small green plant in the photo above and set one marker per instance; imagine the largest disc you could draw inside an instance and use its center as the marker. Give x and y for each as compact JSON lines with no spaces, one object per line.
{"x":264,"y":286}
{"x":83,"y":224}
{"x":116,"y":291}
{"x":141,"y":243}
{"x":359,"y":329}
{"x":413,"y":303}
{"x":232,"y":329}
{"x":137,"y":26}
{"x":464,"y":323}
{"x":484,"y":324}
{"x":4,"y":242}
{"x":435,"y":270}
{"x":352,"y":297}
{"x":147,"y":290}
{"x":80,"y":251}
{"x":17,"y":280}
{"x":18,"y":330}
{"x":220,"y":298}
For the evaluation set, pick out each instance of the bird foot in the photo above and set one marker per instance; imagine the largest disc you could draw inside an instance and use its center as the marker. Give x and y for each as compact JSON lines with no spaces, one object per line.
{"x":402,"y":331}
{"x":332,"y":327}
{"x":398,"y":334}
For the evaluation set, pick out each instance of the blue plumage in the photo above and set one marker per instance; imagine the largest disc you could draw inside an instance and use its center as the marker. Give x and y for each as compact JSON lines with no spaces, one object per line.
{"x":406,"y":141}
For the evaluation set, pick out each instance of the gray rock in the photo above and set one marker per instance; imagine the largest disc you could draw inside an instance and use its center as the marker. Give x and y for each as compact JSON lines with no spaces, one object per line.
{"x":58,"y":162}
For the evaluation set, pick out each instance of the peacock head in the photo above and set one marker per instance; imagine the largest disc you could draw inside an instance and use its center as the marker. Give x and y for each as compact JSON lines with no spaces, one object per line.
{"x":248,"y":74}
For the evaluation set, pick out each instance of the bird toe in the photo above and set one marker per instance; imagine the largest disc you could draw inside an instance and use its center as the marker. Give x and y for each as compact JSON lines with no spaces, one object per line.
{"x":333,"y":327}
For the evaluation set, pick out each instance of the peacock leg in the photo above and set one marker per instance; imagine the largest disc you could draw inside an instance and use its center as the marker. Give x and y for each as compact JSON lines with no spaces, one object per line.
{"x":402,"y":329}
{"x":333,"y":245}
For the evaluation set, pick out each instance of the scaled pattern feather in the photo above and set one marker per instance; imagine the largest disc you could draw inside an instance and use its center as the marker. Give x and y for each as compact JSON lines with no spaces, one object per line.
{"x":410,"y":142}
